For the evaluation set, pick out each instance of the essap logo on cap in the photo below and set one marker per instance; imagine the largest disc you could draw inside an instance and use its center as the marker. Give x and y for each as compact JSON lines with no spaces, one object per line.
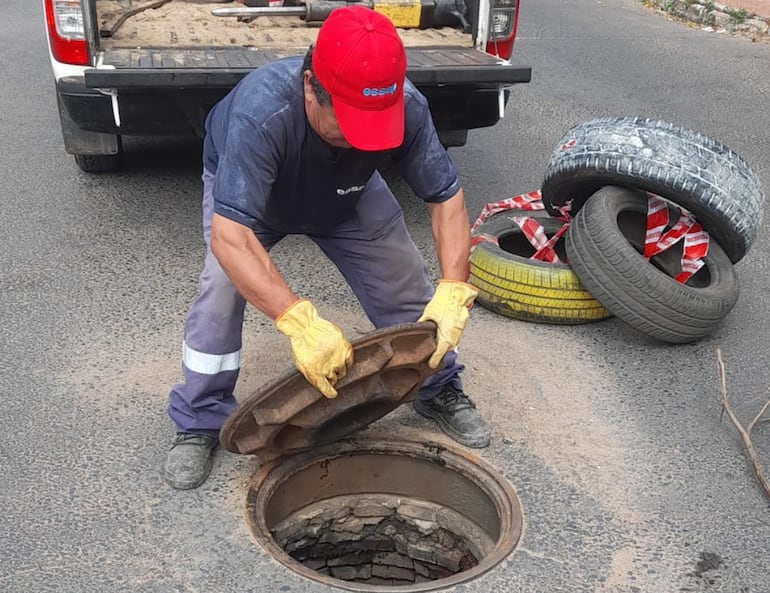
{"x":380,"y":92}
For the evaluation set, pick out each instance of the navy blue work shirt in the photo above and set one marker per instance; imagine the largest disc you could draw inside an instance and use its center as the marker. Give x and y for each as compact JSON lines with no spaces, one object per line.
{"x":272,"y":169}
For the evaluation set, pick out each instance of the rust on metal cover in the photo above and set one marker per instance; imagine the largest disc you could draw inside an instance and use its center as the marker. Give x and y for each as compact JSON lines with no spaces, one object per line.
{"x":289,"y":415}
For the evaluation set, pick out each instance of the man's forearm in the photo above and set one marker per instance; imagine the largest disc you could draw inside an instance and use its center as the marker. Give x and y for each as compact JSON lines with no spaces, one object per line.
{"x":452,"y":237}
{"x":249,"y":267}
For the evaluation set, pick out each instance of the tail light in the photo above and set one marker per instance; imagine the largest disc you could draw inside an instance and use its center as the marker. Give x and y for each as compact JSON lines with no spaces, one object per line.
{"x":66,"y":31}
{"x":503,"y":20}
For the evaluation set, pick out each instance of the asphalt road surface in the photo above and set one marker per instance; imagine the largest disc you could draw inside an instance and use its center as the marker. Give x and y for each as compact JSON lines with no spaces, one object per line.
{"x":629,"y":479}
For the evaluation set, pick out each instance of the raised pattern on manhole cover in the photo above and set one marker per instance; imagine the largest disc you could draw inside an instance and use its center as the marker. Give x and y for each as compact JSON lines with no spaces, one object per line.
{"x":289,"y":415}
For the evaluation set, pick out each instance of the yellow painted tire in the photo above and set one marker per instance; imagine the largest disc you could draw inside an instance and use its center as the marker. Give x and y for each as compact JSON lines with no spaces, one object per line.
{"x":511,"y":284}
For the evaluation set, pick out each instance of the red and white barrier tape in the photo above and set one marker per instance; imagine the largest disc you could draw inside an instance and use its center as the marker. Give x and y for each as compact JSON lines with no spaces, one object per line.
{"x":530,"y":228}
{"x":531,"y":201}
{"x":696,"y":240}
{"x":535,"y":234}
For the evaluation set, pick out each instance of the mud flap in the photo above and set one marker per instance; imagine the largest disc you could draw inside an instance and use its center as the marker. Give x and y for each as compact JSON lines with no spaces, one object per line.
{"x":80,"y":141}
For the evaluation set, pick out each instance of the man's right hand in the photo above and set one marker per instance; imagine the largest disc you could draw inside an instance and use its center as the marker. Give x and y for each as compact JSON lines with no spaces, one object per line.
{"x":320,"y":351}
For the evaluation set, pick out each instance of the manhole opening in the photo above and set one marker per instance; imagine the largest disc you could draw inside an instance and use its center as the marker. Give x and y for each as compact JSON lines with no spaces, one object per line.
{"x":384,"y":515}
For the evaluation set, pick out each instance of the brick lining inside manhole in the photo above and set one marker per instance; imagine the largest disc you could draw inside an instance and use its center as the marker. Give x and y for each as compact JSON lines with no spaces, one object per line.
{"x":381,"y":514}
{"x":382,"y":540}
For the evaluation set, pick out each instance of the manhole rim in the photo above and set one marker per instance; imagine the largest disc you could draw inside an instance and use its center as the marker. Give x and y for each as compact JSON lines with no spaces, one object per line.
{"x":495,"y":485}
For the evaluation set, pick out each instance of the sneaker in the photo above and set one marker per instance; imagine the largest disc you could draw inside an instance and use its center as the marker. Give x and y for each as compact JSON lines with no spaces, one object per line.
{"x":189,"y":460}
{"x":457,"y":416}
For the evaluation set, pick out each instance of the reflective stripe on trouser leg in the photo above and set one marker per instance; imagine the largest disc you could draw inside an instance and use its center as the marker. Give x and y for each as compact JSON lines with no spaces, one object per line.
{"x":211,"y":354}
{"x":384,"y":268}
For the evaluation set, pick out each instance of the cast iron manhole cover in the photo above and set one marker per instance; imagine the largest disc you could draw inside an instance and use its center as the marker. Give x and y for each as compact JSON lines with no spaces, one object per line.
{"x":289,"y":415}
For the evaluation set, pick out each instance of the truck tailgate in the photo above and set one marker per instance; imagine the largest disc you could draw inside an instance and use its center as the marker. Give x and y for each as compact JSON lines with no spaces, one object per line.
{"x":223,"y":67}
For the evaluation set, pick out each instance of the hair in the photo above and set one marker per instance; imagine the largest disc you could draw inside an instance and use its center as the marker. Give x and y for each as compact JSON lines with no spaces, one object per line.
{"x":321,"y":94}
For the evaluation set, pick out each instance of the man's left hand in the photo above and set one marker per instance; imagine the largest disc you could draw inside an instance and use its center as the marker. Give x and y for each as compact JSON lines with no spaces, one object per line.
{"x":449,"y":310}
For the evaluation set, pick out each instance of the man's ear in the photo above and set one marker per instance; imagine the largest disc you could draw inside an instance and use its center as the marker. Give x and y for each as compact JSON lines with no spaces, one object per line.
{"x":307,"y":76}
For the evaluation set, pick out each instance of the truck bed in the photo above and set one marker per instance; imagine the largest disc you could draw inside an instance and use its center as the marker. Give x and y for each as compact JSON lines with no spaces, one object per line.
{"x":179,"y":24}
{"x":182,"y":45}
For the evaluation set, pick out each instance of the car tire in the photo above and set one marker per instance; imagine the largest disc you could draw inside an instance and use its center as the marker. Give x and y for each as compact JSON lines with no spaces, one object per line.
{"x":605,"y":243}
{"x":511,"y":284}
{"x":680,"y":165}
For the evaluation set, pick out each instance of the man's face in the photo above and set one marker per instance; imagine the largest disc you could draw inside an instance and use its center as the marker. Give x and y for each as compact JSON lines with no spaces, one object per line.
{"x":321,"y":117}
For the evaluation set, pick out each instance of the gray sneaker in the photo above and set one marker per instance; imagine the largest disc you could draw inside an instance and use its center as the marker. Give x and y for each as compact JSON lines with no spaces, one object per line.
{"x":456,"y":414}
{"x":189,"y":460}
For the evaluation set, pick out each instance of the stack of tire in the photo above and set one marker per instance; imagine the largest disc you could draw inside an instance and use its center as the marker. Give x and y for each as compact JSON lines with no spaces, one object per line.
{"x":604,"y":172}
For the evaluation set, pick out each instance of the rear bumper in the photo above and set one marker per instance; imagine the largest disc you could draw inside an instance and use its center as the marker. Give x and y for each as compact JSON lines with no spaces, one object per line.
{"x":140,"y":112}
{"x":154,"y":98}
{"x":183,"y":111}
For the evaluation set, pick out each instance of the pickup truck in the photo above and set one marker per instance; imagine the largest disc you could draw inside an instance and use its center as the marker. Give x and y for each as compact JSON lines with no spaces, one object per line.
{"x":156,"y":67}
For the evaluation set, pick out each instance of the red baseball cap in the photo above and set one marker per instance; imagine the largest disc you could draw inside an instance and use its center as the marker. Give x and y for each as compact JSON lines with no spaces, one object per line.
{"x":360,"y":60}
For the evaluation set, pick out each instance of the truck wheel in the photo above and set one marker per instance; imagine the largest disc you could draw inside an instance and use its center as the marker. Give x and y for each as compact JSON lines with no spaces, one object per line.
{"x":98,"y":163}
{"x":605,"y":243}
{"x":680,"y":165}
{"x":511,"y":284}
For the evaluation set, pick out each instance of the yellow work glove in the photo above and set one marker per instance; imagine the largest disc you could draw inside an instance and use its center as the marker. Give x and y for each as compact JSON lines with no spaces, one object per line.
{"x":449,"y":310}
{"x":319,"y":349}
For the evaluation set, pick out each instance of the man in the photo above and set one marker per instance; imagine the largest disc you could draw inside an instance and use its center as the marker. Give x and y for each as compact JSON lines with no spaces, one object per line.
{"x":294,"y":149}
